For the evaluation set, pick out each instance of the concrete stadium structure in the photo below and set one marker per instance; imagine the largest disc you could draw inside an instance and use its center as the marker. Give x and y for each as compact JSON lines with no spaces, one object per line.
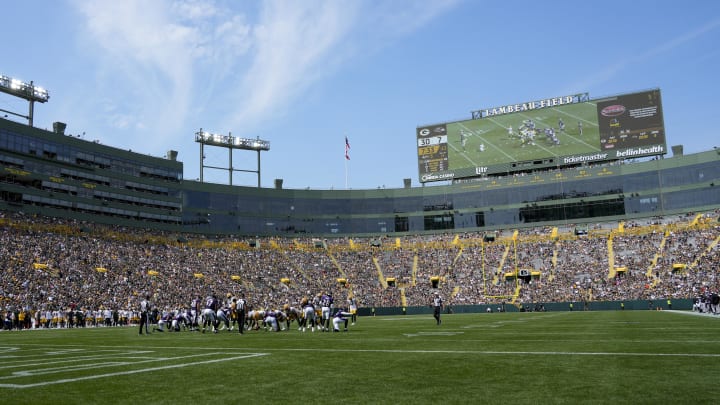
{"x":51,"y":173}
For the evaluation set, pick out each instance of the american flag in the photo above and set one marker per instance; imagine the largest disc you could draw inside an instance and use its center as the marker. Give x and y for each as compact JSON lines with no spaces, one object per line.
{"x":347,"y":149}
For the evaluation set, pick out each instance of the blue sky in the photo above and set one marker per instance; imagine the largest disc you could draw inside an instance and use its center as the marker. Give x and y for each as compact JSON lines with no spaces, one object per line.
{"x":146,"y":75}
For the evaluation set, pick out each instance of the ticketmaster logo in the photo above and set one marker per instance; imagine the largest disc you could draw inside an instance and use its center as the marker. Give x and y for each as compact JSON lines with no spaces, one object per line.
{"x":584,"y":158}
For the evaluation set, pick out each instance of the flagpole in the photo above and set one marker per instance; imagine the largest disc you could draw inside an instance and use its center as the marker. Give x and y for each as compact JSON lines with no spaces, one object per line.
{"x":347,"y":157}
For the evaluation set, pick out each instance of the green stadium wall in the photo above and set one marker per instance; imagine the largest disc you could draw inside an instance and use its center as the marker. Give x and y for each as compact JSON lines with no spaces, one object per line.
{"x":630,"y":305}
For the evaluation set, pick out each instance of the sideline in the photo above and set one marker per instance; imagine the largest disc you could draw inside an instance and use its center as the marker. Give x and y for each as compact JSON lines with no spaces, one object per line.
{"x":705,"y":314}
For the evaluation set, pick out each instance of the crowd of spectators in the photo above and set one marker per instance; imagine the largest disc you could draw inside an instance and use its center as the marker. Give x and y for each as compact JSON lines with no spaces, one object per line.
{"x":50,"y":264}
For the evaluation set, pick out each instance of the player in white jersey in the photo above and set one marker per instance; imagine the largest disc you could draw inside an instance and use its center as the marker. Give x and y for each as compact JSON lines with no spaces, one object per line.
{"x":352,"y":304}
{"x":107,"y":317}
{"x":229,"y":308}
{"x":308,"y":316}
{"x":292,"y":314}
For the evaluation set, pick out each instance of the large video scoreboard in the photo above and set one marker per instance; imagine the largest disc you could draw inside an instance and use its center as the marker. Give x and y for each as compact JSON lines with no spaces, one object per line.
{"x":555,"y":132}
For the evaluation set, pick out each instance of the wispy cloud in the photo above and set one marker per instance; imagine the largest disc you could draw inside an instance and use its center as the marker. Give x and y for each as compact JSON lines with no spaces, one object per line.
{"x":293,"y":47}
{"x":680,"y":40}
{"x":150,"y":52}
{"x":297,"y":45}
{"x":664,"y":47}
{"x":172,"y":60}
{"x":395,"y":19}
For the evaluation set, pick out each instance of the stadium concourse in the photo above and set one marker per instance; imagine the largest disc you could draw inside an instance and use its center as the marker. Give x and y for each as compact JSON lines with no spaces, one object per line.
{"x":54,"y":264}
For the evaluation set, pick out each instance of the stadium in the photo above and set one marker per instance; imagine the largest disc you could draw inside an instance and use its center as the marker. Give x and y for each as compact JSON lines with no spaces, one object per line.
{"x":537,"y":217}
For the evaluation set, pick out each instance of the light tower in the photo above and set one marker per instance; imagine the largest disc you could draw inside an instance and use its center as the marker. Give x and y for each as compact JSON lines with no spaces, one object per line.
{"x":26,"y":91}
{"x":230,"y":142}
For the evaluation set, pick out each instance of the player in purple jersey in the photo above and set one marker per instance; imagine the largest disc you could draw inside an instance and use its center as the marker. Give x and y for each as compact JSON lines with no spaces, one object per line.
{"x":271,"y":321}
{"x":326,"y":302}
{"x":195,"y":312}
{"x":209,"y":313}
{"x":339,"y":319}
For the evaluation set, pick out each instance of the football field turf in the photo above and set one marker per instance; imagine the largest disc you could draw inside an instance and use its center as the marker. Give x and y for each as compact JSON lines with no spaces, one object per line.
{"x":650,"y":357}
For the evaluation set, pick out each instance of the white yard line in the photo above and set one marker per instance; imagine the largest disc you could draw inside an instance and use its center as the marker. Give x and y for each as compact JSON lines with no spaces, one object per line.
{"x":142,"y":370}
{"x":488,"y":142}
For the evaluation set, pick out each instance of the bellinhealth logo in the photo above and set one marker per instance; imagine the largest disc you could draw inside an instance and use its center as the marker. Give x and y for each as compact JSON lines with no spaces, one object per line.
{"x":656,"y":149}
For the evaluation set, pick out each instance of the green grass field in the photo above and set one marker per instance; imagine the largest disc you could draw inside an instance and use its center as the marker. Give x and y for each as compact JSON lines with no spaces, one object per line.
{"x":498,"y":147}
{"x":637,"y":357}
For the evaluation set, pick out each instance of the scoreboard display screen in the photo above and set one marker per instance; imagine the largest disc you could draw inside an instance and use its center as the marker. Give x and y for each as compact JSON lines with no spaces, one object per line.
{"x":555,"y":132}
{"x":632,"y":120}
{"x":432,"y":144}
